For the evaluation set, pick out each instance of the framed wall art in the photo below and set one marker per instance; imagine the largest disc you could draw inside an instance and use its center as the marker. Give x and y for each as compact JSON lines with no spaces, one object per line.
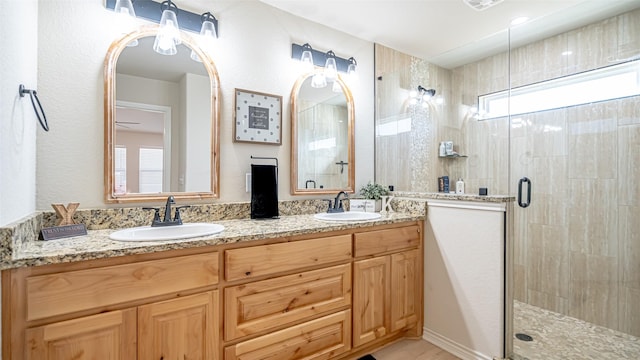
{"x":258,"y":118}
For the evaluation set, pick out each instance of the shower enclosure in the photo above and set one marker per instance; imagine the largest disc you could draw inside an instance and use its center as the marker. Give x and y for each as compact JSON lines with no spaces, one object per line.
{"x":576,"y":246}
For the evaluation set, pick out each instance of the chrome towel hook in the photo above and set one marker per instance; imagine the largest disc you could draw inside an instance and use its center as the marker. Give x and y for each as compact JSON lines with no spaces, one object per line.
{"x":32,"y":94}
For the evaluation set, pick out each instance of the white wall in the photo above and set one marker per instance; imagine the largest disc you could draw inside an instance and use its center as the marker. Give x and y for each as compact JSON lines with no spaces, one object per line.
{"x":253,"y":52}
{"x":18,"y":65}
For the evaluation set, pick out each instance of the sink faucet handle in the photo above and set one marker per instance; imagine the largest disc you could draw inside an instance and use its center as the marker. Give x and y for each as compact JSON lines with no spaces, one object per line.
{"x":329,"y":201}
{"x":156,"y":214}
{"x":176,"y":217}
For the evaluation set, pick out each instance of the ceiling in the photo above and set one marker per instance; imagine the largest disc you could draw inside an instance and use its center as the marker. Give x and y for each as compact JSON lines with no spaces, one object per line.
{"x":449,"y":33}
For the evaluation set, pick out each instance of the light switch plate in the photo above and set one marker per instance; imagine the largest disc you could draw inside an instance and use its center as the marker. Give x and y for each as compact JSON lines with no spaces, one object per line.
{"x":247,"y":182}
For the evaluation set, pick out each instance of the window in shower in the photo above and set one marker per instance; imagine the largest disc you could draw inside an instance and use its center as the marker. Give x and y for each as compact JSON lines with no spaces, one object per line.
{"x":611,"y":82}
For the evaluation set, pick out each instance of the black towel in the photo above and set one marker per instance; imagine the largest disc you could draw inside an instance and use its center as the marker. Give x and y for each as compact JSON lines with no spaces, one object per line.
{"x":264,"y":191}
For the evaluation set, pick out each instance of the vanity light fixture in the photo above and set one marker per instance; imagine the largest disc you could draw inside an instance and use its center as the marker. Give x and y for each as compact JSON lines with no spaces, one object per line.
{"x":307,"y":57}
{"x":124,"y":7}
{"x":207,"y":32}
{"x":318,"y":80}
{"x":155,"y":11}
{"x":331,"y":63}
{"x":169,"y":33}
{"x":353,"y":65}
{"x":421,"y":96}
{"x":125,"y":11}
{"x":330,"y":67}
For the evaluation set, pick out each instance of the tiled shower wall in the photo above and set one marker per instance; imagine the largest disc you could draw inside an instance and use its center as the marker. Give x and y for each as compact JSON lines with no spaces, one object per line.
{"x":577,"y":247}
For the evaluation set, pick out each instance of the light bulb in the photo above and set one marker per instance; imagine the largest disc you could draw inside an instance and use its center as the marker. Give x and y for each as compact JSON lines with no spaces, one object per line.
{"x":318,"y":81}
{"x":124,"y":7}
{"x":336,"y":87}
{"x":330,"y":67}
{"x":168,"y":35}
{"x":195,"y":56}
{"x":307,"y":58}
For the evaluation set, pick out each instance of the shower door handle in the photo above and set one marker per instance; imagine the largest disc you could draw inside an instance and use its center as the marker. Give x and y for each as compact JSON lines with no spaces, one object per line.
{"x":523,"y":181}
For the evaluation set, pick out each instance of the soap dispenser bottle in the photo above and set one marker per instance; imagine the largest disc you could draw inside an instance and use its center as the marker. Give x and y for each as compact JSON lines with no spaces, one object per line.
{"x":460,"y":186}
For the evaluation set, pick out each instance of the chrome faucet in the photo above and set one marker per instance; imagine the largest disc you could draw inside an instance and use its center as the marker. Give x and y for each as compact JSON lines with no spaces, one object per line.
{"x":337,"y":203}
{"x":177,"y":220}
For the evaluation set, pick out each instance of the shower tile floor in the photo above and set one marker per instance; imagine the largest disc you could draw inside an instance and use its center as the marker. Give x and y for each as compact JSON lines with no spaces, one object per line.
{"x":561,"y":337}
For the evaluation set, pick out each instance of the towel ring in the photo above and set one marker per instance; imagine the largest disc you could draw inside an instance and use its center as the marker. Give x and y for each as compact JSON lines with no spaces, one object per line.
{"x":32,"y":94}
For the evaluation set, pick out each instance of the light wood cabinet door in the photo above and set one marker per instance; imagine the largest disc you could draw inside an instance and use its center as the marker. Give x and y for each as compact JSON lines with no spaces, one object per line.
{"x":108,"y":336}
{"x":181,"y":328}
{"x":370,"y":299}
{"x":405,"y":288}
{"x":322,"y":338}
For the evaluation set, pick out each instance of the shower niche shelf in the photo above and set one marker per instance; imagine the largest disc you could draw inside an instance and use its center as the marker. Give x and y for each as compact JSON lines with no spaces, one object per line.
{"x":452,"y":156}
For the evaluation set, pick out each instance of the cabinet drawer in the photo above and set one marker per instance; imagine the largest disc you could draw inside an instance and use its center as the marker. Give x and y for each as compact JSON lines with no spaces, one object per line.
{"x":262,"y":260}
{"x":389,"y":240}
{"x":267,"y":304}
{"x":321,"y":338}
{"x":68,"y":292}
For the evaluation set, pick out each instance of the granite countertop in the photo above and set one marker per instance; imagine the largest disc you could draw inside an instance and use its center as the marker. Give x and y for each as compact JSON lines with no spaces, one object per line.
{"x":452,"y":196}
{"x":96,"y":244}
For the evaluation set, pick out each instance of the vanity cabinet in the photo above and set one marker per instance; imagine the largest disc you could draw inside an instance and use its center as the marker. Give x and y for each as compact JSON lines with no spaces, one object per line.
{"x":109,"y":336}
{"x":387,"y":283}
{"x":172,"y":329}
{"x":334,"y":295}
{"x":116,"y":308}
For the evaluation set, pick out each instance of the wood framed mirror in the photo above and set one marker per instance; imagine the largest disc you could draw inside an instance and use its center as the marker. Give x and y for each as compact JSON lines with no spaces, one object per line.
{"x":322,"y":138}
{"x":161,"y":121}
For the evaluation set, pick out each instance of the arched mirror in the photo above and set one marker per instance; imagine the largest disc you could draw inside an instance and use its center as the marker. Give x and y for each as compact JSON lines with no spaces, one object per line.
{"x":322,"y":138}
{"x":161,"y":121}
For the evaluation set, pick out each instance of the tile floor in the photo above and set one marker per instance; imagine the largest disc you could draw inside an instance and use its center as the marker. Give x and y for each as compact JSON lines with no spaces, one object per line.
{"x":555,"y":337}
{"x":561,"y":337}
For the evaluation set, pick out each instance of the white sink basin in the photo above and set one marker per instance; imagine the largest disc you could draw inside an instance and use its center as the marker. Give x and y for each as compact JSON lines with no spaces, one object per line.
{"x":348,"y":216}
{"x":184,"y":231}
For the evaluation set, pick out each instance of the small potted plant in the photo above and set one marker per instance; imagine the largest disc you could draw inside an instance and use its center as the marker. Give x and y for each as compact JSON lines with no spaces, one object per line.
{"x":372,"y":194}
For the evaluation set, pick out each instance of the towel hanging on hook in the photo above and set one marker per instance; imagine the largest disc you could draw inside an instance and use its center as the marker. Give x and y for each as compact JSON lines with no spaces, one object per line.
{"x":32,"y":93}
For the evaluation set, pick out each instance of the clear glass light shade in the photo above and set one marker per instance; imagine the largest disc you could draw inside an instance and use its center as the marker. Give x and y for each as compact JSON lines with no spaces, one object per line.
{"x":351,"y":70}
{"x":307,"y":60}
{"x":195,"y":56}
{"x":330,"y":69}
{"x":168,"y":34}
{"x":124,"y":7}
{"x":336,"y":87}
{"x":318,"y":81}
{"x":208,"y":30}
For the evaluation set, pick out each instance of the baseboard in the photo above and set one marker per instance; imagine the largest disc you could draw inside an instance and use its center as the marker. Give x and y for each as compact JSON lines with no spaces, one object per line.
{"x":452,"y":347}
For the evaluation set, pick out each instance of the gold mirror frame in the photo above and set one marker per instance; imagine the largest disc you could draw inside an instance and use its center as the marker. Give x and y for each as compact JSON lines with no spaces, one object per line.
{"x":111,"y":59}
{"x":294,"y":140}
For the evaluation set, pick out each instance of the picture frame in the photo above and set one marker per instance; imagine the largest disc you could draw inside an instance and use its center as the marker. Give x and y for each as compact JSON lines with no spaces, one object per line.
{"x":257,"y":117}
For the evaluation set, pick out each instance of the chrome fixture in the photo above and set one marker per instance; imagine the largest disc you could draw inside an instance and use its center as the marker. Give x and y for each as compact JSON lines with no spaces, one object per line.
{"x":167,"y":221}
{"x":421,"y":96}
{"x":168,"y":16}
{"x":330,"y":63}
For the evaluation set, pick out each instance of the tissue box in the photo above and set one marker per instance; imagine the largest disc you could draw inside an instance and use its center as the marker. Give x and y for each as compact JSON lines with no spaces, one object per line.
{"x":365,"y":205}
